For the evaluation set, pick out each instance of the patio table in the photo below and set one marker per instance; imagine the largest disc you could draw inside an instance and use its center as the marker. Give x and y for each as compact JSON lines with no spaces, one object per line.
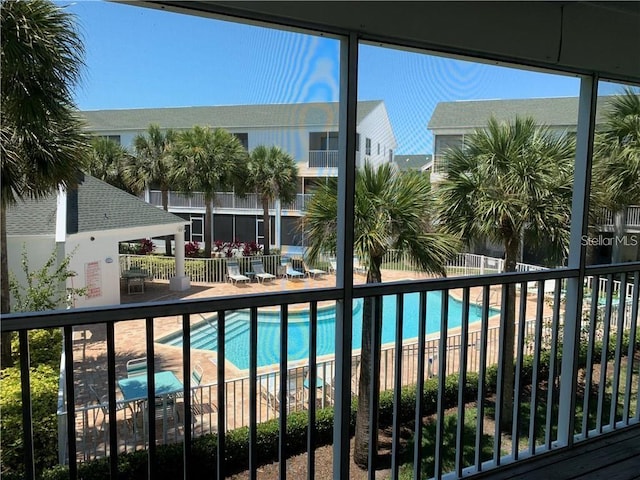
{"x":167,"y":387}
{"x":135,"y":275}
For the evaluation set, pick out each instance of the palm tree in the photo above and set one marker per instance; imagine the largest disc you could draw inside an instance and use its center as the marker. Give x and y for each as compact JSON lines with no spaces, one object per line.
{"x":617,"y":158}
{"x":508,"y":179}
{"x":109,"y":162}
{"x":392,"y":213}
{"x":42,"y":139}
{"x":206,"y":161}
{"x":272,"y":174}
{"x":152,"y":165}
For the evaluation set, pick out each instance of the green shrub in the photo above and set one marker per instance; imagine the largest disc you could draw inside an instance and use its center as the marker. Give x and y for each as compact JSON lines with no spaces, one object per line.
{"x":44,"y":397}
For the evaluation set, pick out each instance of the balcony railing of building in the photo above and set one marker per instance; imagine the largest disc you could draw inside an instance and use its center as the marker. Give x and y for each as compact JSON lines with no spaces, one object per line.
{"x":323,"y":158}
{"x":606,"y":217}
{"x":225,"y":200}
{"x":551,"y":390}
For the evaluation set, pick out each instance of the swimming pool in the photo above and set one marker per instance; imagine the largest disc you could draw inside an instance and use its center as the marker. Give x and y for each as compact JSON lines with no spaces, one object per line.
{"x":204,"y":335}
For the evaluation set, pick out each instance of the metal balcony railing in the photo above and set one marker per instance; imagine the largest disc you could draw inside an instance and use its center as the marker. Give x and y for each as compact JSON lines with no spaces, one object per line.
{"x":606,"y":331}
{"x":323,"y":158}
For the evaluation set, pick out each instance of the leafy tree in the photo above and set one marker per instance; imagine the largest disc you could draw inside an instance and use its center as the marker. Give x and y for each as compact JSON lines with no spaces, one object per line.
{"x":206,"y":161}
{"x":392,"y":213}
{"x":109,"y":161}
{"x":152,"y":165}
{"x":41,"y":137}
{"x":272,"y":174}
{"x":617,"y":157}
{"x":46,"y":288}
{"x":506,"y":179}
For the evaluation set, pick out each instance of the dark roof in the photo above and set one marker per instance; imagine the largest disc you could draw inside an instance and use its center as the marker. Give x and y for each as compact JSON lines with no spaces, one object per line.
{"x":91,"y":206}
{"x":561,"y":111}
{"x":231,"y":116}
{"x":412,"y":162}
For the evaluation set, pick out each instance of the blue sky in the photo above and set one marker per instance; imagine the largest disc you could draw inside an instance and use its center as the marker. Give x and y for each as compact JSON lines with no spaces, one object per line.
{"x":142,"y":58}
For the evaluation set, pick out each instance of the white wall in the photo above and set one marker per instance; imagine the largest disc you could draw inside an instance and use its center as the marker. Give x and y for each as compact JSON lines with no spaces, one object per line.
{"x":91,"y":256}
{"x":39,"y":250}
{"x":377,"y":127}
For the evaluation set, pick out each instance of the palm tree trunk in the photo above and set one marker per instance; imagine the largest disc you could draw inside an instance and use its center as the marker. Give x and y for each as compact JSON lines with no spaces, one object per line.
{"x":370,"y":314}
{"x":266,"y":225}
{"x":165,"y":206}
{"x":208,"y":217}
{"x":619,"y":224}
{"x":5,"y":355}
{"x":506,"y":417}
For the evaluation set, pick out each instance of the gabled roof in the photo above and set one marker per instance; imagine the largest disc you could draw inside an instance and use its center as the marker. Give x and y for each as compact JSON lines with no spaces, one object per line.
{"x":91,"y":206}
{"x":412,"y":162}
{"x":561,"y":111}
{"x":230,"y":116}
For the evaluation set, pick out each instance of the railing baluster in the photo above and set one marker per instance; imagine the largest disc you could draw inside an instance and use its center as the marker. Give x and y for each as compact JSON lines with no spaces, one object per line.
{"x":70,"y":402}
{"x":605,"y":353}
{"x":617,"y":361}
{"x":283,"y":393}
{"x":536,"y":366}
{"x":462,"y":381}
{"x":111,"y":392}
{"x":151,"y":395}
{"x":186,"y":375}
{"x":312,"y":379}
{"x":27,"y":419}
{"x":417,"y":436}
{"x":631,"y":350}
{"x":517,"y":394}
{"x":504,"y":317}
{"x":482,"y":374}
{"x":442,"y":368}
{"x":374,"y":376}
{"x":253,"y":397}
{"x":222,"y":422}
{"x":397,"y":389}
{"x":593,"y":327}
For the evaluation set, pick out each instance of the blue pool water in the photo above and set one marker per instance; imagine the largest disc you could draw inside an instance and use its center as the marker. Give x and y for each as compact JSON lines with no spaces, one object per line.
{"x":204,"y":336}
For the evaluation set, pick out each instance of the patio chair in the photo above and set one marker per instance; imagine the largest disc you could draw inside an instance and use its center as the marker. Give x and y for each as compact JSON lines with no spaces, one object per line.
{"x":333,"y":265}
{"x":359,"y":267}
{"x":271,"y":393}
{"x":312,"y":272}
{"x":103,"y":407}
{"x":289,"y":271}
{"x":258,"y":268}
{"x":137,"y":366}
{"x":233,"y":272}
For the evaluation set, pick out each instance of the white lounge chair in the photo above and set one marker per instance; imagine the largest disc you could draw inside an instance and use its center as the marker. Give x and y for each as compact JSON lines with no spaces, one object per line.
{"x":312,"y":272}
{"x":289,"y":271}
{"x":136,"y":367}
{"x":258,"y":268}
{"x":233,"y":272}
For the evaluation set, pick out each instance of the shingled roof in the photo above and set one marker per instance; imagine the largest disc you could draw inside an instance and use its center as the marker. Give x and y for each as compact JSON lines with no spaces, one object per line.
{"x":92,"y":206}
{"x":412,"y":162}
{"x":562,"y":112}
{"x":230,"y":116}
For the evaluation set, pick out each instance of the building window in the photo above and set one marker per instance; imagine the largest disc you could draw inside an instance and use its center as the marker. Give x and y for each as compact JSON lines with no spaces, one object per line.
{"x":367,"y":146}
{"x":244,"y":139}
{"x":323,"y":141}
{"x":357,"y":142}
{"x":378,"y":149}
{"x":390,"y":155}
{"x":445,"y":142}
{"x":113,"y":138}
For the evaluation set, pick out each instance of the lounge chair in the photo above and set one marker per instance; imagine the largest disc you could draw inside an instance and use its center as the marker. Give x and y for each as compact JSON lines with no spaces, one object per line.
{"x":359,"y":267}
{"x":333,"y":265}
{"x":289,"y":271}
{"x":233,"y":272}
{"x":136,"y":367}
{"x":270,"y":390}
{"x":258,"y":269}
{"x":312,"y":272}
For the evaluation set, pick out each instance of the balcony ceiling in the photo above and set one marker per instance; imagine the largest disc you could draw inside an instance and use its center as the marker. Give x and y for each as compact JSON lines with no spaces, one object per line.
{"x":575,"y":36}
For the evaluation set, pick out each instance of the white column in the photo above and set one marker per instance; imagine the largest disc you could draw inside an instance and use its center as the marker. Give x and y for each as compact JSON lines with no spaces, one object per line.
{"x":180,"y":282}
{"x":278,"y":232}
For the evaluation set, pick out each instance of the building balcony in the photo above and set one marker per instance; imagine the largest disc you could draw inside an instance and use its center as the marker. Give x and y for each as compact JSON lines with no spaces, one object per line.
{"x":224,"y":202}
{"x":455,"y":356}
{"x":323,"y":159}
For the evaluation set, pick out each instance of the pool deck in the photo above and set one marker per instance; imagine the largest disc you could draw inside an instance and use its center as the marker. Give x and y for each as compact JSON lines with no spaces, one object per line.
{"x":90,"y":344}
